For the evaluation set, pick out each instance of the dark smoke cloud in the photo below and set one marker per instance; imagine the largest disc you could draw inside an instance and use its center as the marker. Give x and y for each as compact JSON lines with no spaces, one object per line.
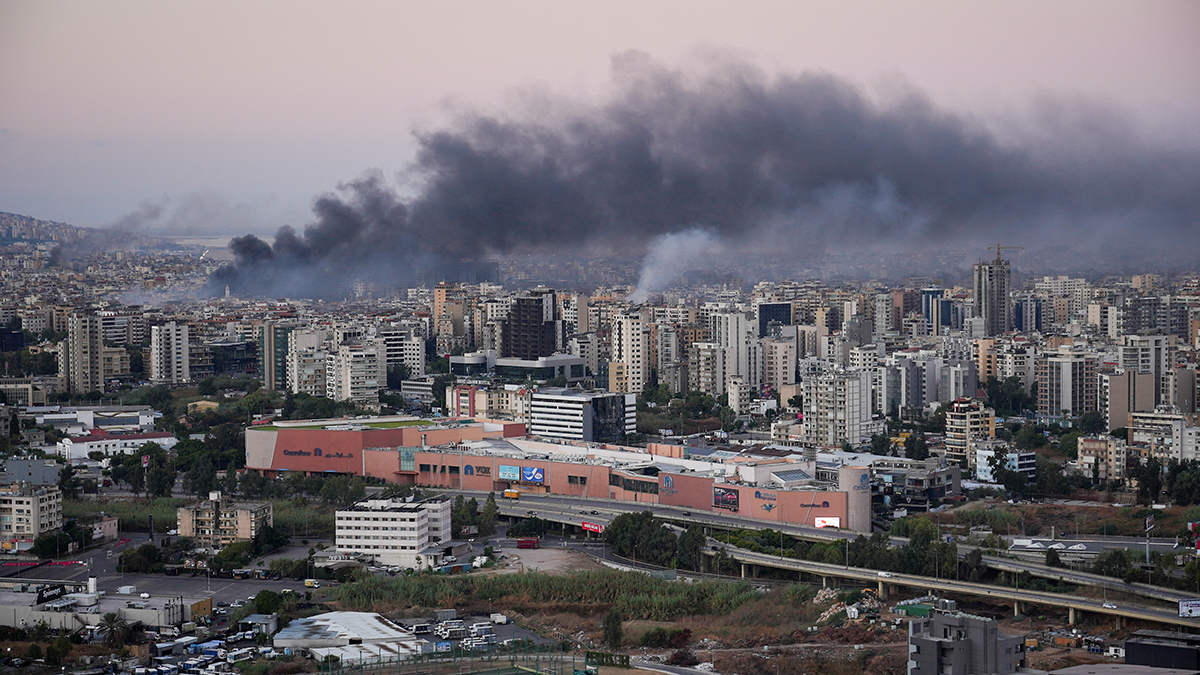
{"x":787,"y":165}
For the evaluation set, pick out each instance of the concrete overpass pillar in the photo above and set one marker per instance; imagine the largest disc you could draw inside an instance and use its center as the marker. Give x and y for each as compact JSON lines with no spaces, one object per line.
{"x":1016,"y":608}
{"x":743,"y":570}
{"x":824,"y":582}
{"x":1117,"y":621}
{"x":883,"y":591}
{"x":1071,"y":618}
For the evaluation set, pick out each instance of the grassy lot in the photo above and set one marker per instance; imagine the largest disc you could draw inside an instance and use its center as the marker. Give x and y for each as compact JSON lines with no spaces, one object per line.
{"x":134,"y":515}
{"x":297,"y":520}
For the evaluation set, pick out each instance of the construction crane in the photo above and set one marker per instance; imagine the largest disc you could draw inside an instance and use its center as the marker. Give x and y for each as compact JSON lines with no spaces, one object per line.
{"x":1000,"y":248}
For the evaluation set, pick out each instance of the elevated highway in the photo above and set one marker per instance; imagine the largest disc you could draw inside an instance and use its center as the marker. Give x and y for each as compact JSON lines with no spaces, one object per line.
{"x":572,"y":512}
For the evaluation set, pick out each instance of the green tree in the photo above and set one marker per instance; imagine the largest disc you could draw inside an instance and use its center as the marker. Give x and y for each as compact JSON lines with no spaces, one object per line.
{"x":1093,"y":422}
{"x":1149,"y":479}
{"x":113,"y":627}
{"x":1052,"y":558}
{"x":487,"y":518}
{"x":691,"y":544}
{"x":1068,"y":444}
{"x":201,"y":478}
{"x":1029,"y":438}
{"x":137,"y":477}
{"x":614,"y":635}
{"x":916,"y":447}
{"x":881,"y":444}
{"x":159,"y":482}
{"x":68,"y":484}
{"x":267,"y":602}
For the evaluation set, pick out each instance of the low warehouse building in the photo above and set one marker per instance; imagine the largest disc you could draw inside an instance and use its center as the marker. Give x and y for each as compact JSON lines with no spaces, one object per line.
{"x":352,"y":637}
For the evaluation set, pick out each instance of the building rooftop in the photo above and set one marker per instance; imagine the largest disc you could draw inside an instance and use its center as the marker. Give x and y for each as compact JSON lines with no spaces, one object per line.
{"x":367,"y":626}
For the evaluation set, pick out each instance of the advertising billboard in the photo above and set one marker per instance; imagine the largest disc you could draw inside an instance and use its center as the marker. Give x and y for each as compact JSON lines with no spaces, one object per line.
{"x":828,"y":521}
{"x":1189,"y":608}
{"x":507,"y":472}
{"x":533,"y":474}
{"x":725,"y":498}
{"x":592,"y":527}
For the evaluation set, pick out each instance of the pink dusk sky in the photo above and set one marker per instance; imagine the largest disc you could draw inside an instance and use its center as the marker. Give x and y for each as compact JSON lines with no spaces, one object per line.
{"x":231,"y":117}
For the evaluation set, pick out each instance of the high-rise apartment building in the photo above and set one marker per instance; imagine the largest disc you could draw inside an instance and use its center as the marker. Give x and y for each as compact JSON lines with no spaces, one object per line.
{"x":837,"y":409}
{"x":992,"y":283}
{"x":272,"y":338}
{"x":356,"y":372}
{"x":170,"y":358}
{"x":1148,"y":354}
{"x":629,"y":369}
{"x":779,"y":362}
{"x":530,"y":330}
{"x":1121,"y":393}
{"x":80,"y":368}
{"x":967,"y":420}
{"x":1066,"y":382}
{"x":706,"y":368}
{"x":404,"y":348}
{"x":737,"y":334}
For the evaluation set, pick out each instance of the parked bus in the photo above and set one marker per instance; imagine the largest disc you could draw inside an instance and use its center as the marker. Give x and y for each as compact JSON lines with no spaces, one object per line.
{"x":239,"y":655}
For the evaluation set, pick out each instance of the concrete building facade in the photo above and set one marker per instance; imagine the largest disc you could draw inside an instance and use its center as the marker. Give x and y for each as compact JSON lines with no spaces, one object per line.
{"x":962,"y":644}
{"x":28,"y":511}
{"x":219,"y":520}
{"x":594,"y":417}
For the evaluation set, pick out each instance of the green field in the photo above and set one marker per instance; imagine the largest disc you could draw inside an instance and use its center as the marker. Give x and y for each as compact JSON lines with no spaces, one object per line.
{"x":292,"y":518}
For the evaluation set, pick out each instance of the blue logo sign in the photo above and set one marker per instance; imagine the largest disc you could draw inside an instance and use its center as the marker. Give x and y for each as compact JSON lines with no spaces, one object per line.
{"x":468,"y":470}
{"x":768,"y":507}
{"x":668,"y":482}
{"x":532,"y":474}
{"x":768,"y":496}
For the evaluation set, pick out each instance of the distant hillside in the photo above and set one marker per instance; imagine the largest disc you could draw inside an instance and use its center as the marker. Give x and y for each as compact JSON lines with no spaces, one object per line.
{"x":16,"y":227}
{"x":72,"y":241}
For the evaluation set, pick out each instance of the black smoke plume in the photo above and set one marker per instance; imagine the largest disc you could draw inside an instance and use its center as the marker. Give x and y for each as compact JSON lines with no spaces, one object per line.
{"x":788,"y":165}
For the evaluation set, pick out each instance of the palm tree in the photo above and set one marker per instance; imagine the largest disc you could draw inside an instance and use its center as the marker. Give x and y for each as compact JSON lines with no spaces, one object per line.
{"x":113,"y":626}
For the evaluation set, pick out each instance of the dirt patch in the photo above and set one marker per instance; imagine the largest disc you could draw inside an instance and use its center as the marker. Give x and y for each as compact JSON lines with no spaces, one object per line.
{"x":551,"y":560}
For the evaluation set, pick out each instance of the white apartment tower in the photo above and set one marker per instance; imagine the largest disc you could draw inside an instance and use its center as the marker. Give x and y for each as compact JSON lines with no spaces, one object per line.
{"x":1148,"y":354}
{"x":779,"y":362}
{"x":837,"y":409}
{"x":737,"y":334}
{"x":356,"y":372}
{"x":706,"y":368}
{"x":169,"y":358}
{"x":80,"y":367}
{"x":629,"y":369}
